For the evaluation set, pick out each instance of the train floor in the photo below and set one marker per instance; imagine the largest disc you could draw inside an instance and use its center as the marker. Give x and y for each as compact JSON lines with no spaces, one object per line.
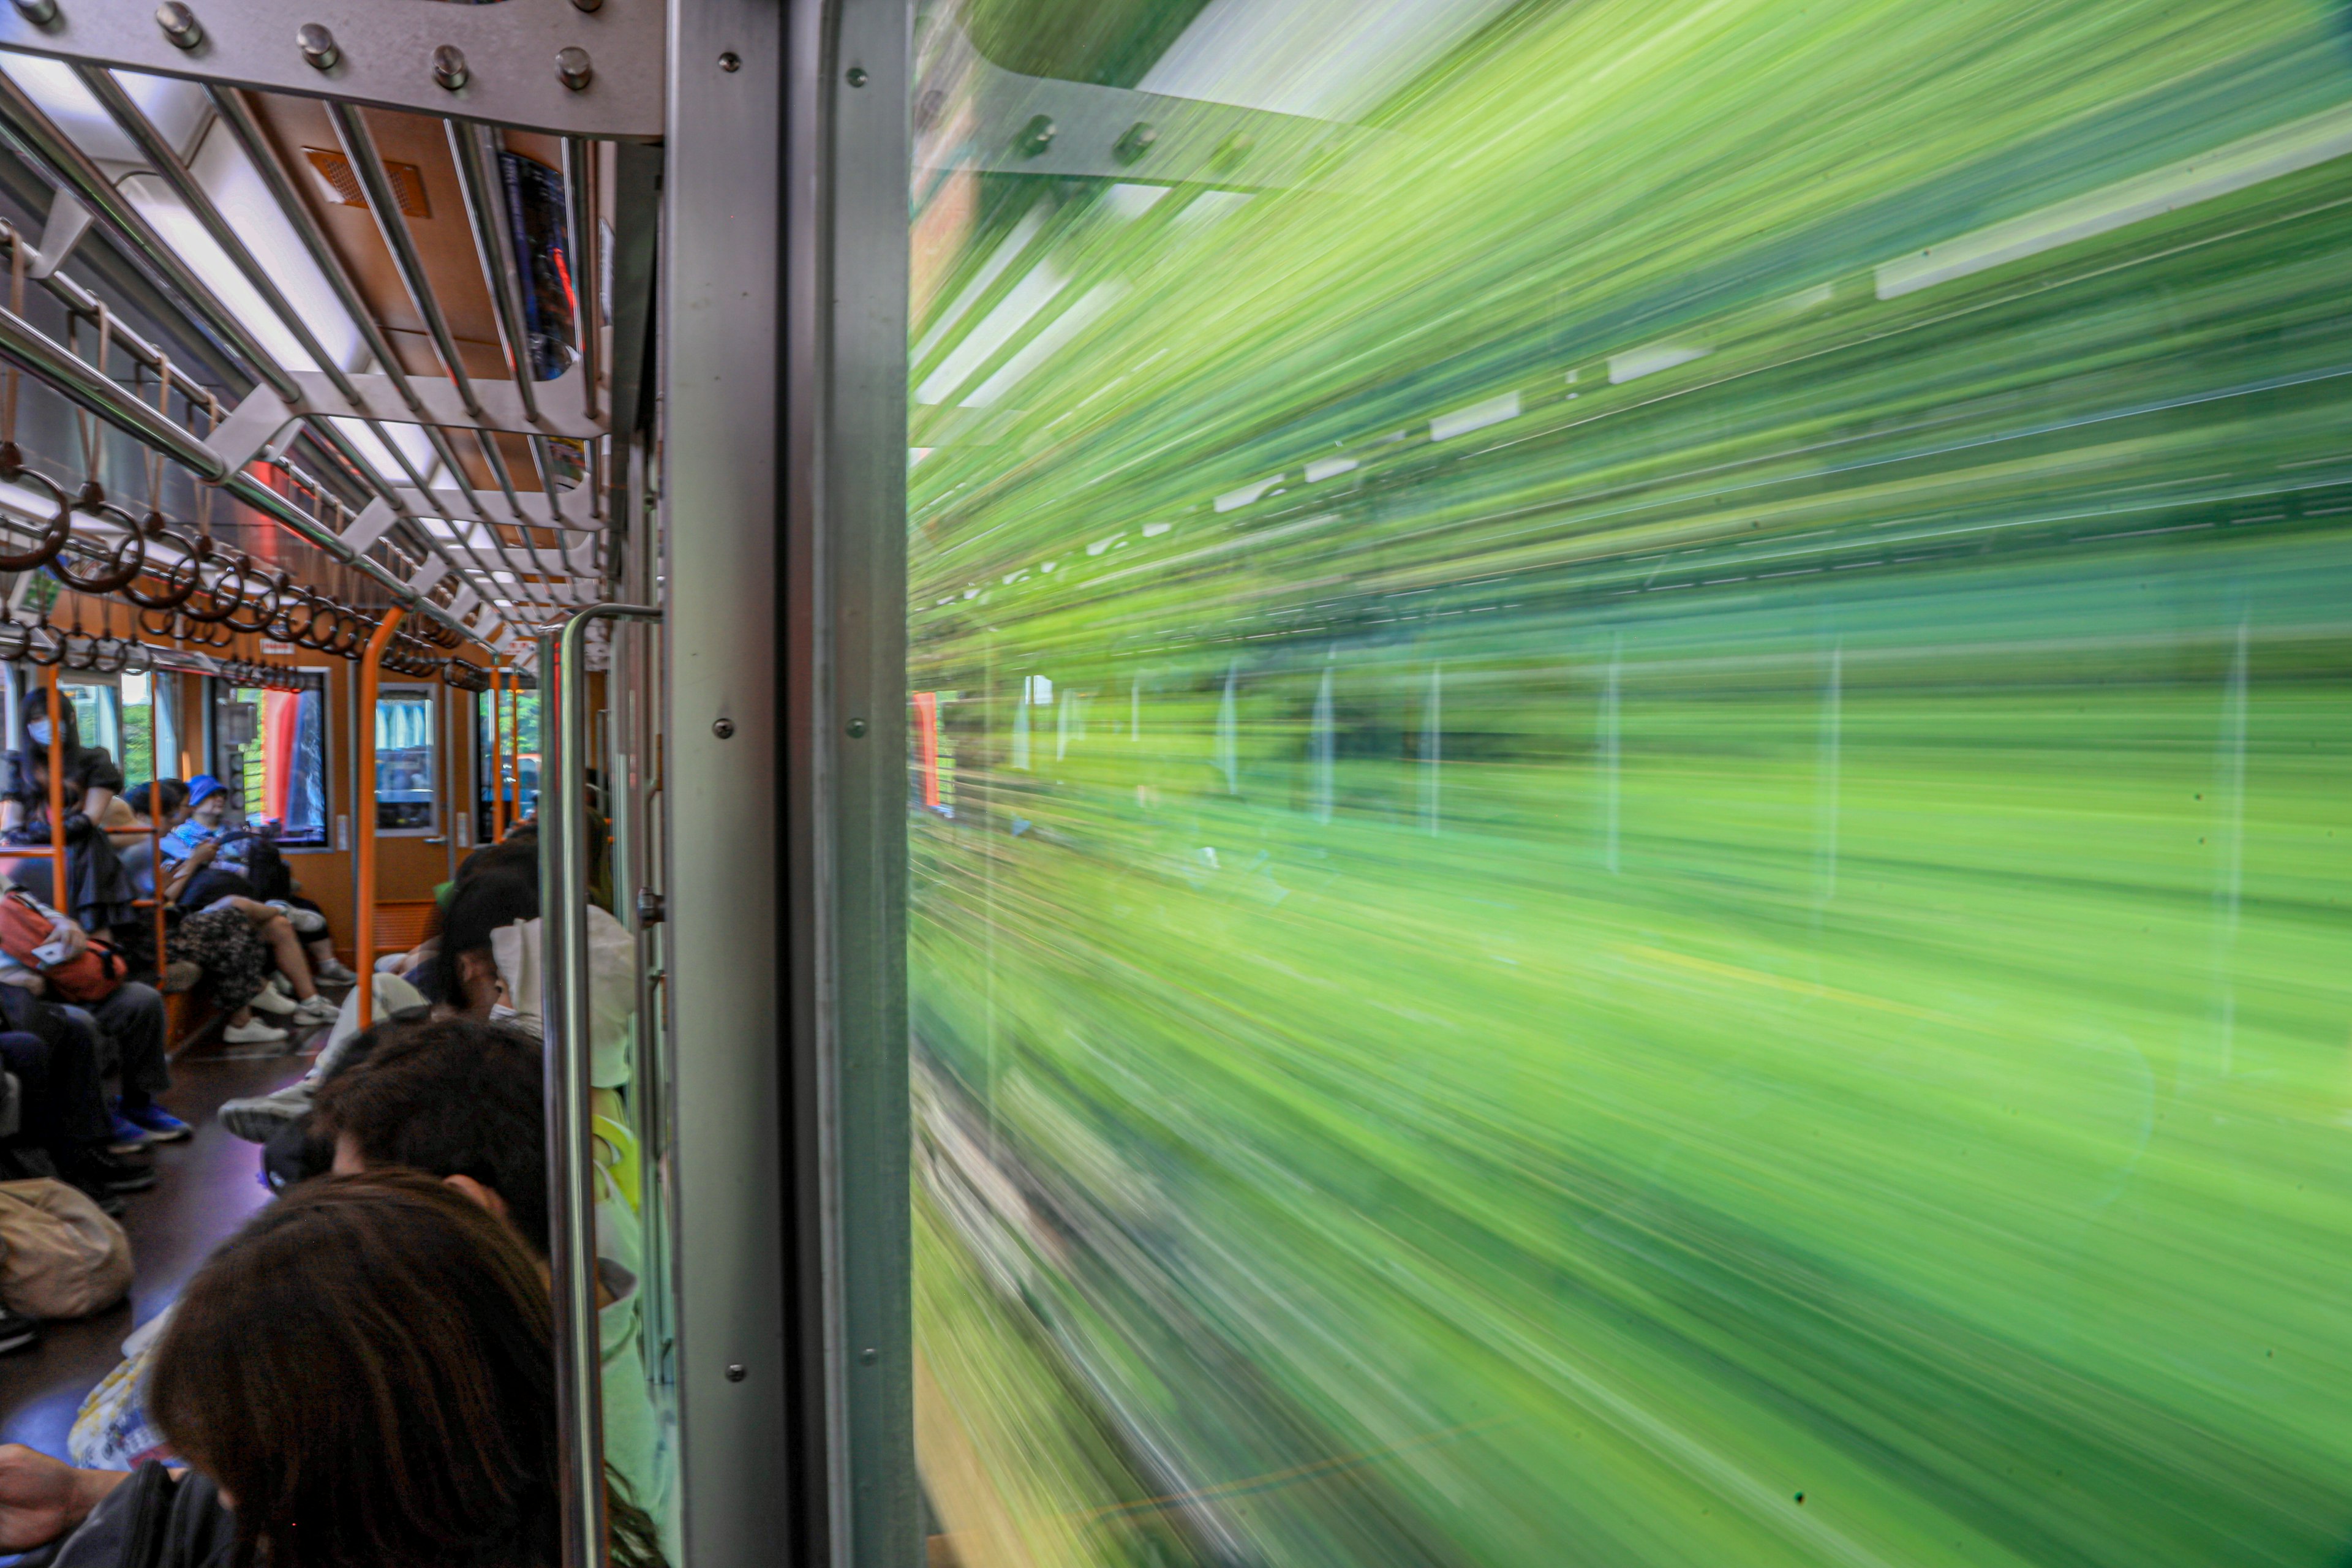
{"x":204,"y":1188}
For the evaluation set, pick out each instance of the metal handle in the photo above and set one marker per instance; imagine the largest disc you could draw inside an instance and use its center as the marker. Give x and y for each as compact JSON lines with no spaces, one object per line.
{"x":563,"y":961}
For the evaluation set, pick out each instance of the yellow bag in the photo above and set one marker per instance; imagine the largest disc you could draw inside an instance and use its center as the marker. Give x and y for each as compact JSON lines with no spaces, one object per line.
{"x":60,"y":1256}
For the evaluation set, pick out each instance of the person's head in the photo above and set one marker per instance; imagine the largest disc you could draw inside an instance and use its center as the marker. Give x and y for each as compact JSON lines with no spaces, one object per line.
{"x":462,"y":1101}
{"x":464,"y":970}
{"x":37,"y":719}
{"x":174,"y":795}
{"x":208,"y":800}
{"x":517,"y":855}
{"x":366,"y":1370}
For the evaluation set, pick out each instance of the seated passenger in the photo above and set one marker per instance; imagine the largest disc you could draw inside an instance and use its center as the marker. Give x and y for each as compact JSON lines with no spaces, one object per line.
{"x":99,"y":892}
{"x":206,"y":818}
{"x":65,"y":1130}
{"x":27,"y":788}
{"x":467,"y":1101}
{"x":128,"y":824}
{"x":454,"y":969}
{"x":364,"y":1375}
{"x":236,"y":938}
{"x":129,"y":1032}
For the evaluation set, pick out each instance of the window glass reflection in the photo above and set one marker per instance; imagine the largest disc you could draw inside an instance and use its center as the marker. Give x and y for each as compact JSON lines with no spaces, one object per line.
{"x":1629,"y":779}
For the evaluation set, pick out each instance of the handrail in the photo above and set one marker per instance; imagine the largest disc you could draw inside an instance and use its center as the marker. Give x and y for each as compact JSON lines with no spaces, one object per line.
{"x":363,"y":821}
{"x":60,"y":881}
{"x":82,"y":383}
{"x":563,"y":961}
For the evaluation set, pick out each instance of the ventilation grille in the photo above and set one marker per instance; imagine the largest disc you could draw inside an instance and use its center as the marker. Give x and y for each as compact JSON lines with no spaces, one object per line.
{"x":343,"y":183}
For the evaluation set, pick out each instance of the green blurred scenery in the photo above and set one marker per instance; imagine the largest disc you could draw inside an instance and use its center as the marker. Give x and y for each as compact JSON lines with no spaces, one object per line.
{"x":1634,"y":794}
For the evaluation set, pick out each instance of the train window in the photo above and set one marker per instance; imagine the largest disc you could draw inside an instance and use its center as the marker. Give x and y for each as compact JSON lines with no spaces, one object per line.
{"x":515,"y":763}
{"x":270,"y":746}
{"x":405,"y":749}
{"x":98,"y":711}
{"x":138,"y":735}
{"x":1652,"y":778}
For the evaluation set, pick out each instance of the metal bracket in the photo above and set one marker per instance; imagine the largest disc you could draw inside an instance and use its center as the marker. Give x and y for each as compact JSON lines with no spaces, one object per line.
{"x":561,"y":410}
{"x":252,"y":426}
{"x":1020,"y":124}
{"x":67,"y":221}
{"x":450,"y":506}
{"x":432,"y":572}
{"x":382,"y":54}
{"x":370,"y":526}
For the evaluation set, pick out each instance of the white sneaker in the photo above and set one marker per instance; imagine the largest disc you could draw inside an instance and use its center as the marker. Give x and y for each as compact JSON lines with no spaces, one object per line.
{"x":283,"y":986}
{"x":336,"y":973}
{"x":272,"y":1000}
{"x":257,"y":1033}
{"x":309,"y":922}
{"x":317,"y":1010}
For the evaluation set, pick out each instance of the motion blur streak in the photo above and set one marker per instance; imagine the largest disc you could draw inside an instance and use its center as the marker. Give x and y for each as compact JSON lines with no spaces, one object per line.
{"x":1637,"y":804}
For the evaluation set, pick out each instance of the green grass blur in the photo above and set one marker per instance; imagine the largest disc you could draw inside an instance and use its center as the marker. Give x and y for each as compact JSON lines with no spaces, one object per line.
{"x":1619,"y":892}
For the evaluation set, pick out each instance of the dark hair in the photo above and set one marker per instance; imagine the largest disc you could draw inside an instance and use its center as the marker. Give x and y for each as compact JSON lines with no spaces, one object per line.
{"x":517,"y":854}
{"x":36,"y":706}
{"x":368,"y":1370}
{"x":478,"y":906}
{"x":175,"y":795}
{"x":454,"y":1098}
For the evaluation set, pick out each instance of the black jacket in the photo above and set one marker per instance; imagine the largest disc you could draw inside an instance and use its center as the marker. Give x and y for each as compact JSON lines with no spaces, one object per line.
{"x":155,"y":1520}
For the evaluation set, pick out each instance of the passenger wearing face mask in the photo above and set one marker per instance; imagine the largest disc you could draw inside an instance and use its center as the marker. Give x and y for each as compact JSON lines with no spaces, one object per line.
{"x":27,"y":791}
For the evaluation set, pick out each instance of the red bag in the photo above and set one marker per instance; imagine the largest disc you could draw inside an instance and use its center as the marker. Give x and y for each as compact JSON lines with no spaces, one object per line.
{"x":91,"y":975}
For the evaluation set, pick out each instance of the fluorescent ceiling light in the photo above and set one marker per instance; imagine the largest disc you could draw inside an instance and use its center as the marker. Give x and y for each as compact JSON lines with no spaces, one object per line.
{"x":1128,"y":201}
{"x":1332,"y":58}
{"x":1477,"y":416}
{"x":162,"y":208}
{"x":1232,"y":499}
{"x":1652,"y":358}
{"x":224,"y":173}
{"x":2268,"y":155}
{"x":363,"y":441}
{"x":176,"y":107}
{"x":1055,"y":333}
{"x":1002,"y":256}
{"x":76,"y":110}
{"x":1209,"y":206}
{"x":1025,"y":299}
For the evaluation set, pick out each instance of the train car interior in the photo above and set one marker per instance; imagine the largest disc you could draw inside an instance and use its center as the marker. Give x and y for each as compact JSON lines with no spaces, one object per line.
{"x":1176,"y":784}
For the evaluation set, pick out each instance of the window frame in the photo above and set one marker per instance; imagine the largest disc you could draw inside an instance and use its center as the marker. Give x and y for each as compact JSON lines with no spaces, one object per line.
{"x":401,"y":690}
{"x":316,"y":678}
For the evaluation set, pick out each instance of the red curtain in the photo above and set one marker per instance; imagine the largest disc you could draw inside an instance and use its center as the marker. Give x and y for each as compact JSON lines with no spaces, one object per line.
{"x":280,"y":713}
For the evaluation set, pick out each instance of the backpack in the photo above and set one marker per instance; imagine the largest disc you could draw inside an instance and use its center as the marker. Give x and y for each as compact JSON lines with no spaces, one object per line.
{"x":91,"y":975}
{"x":60,"y":1256}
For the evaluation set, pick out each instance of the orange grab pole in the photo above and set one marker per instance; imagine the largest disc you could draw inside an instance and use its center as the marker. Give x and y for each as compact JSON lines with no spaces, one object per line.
{"x":364,"y":812}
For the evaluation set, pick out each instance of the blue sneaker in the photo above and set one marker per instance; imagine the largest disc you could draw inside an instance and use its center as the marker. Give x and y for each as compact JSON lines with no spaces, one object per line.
{"x":159,"y":1124}
{"x":125,"y":1136}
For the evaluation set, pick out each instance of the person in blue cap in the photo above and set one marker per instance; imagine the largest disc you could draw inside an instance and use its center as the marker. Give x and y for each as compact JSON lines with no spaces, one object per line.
{"x":209,"y":802}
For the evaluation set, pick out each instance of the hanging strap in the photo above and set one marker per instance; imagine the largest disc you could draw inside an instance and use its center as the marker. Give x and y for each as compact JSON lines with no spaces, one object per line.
{"x":93,"y":444}
{"x":154,"y":456}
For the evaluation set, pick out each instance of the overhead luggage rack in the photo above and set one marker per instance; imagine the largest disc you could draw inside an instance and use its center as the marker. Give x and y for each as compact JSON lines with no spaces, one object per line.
{"x":427,"y":343}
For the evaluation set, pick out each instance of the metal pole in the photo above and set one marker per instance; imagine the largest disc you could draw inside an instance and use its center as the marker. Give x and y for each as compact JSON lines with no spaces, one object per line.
{"x":564,"y":960}
{"x":60,"y":884}
{"x":78,"y":381}
{"x":363,"y":813}
{"x":56,"y":154}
